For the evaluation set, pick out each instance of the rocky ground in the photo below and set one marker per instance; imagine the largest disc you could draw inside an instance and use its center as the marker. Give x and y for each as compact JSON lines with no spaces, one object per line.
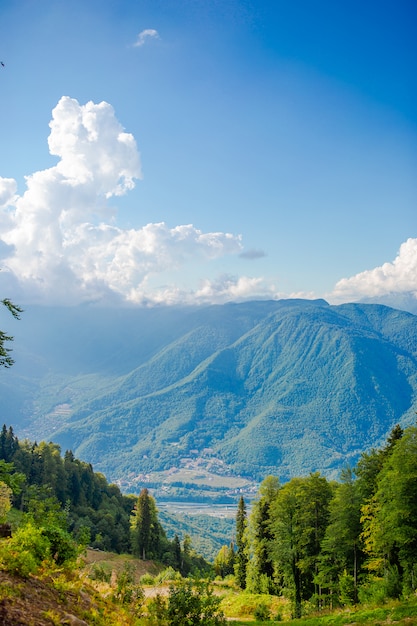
{"x":34,"y":602}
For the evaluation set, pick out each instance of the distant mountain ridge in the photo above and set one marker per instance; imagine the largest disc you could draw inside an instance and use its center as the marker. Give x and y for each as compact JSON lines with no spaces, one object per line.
{"x":276,"y":387}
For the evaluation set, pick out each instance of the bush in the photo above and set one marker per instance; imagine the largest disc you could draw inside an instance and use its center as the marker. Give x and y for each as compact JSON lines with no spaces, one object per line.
{"x":167,"y":574}
{"x":157,"y":612}
{"x":101,"y":573}
{"x":262,"y":612}
{"x":30,"y":540}
{"x":188,"y":603}
{"x":147,"y":579}
{"x":61,"y":545}
{"x":346,"y":589}
{"x":127,"y":592}
{"x":379,"y":590}
{"x":16,"y":561}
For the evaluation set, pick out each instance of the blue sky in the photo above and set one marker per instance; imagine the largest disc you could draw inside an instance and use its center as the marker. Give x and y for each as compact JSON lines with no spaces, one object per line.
{"x":245,"y":149}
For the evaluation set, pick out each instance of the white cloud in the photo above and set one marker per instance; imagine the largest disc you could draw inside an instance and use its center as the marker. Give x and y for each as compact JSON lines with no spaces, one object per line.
{"x":397,"y":277}
{"x":54,"y":240}
{"x":236,"y":288}
{"x":8,"y":189}
{"x":144,"y":35}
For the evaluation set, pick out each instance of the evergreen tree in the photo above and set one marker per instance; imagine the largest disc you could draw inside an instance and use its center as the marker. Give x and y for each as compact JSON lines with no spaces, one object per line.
{"x":8,"y":444}
{"x":241,"y":544}
{"x":177,"y":553}
{"x":261,"y":568}
{"x":147,"y":532}
{"x":186,"y":564}
{"x":5,"y":358}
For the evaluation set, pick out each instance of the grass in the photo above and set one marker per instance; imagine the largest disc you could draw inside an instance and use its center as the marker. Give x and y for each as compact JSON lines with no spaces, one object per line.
{"x":398,"y":613}
{"x":244,"y":605}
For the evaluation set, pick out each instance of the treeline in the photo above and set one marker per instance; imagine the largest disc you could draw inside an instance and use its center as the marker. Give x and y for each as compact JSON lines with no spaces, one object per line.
{"x":326,"y":543}
{"x":96,"y":513}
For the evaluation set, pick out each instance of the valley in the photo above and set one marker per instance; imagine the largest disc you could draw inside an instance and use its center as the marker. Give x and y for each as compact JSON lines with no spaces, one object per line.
{"x":199,"y":404}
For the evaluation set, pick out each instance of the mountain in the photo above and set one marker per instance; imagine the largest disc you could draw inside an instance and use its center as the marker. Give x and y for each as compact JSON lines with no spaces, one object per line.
{"x":184,"y":395}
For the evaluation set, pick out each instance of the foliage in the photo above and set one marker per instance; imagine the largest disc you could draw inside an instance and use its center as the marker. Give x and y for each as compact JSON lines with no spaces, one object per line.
{"x":5,"y":501}
{"x":299,"y":517}
{"x":225,"y":561}
{"x":127,"y":592}
{"x":260,"y":571}
{"x":148,"y":536}
{"x":5,"y":358}
{"x":67,"y":490}
{"x":262,"y":612}
{"x":191,"y":603}
{"x":194,"y":604}
{"x":390,"y":516}
{"x":241,"y":558}
{"x":325,"y":544}
{"x":342,"y":548}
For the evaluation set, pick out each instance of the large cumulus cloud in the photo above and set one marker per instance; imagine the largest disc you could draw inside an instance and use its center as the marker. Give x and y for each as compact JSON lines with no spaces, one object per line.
{"x":59,"y":240}
{"x":390,"y":282}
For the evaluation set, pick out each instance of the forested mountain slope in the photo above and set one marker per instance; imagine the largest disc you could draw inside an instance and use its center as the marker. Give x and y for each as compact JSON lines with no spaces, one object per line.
{"x":284,"y":387}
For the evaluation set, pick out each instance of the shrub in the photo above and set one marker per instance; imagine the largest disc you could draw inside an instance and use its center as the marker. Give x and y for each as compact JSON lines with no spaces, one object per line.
{"x":127,"y":592}
{"x":194,"y":604}
{"x":31,"y":538}
{"x":147,"y":579}
{"x":101,"y":573}
{"x":19,"y":562}
{"x":157,"y":612}
{"x":167,"y":574}
{"x":262,"y":612}
{"x":61,"y":545}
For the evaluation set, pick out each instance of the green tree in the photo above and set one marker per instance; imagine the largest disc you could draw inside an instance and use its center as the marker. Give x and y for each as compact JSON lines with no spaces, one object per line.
{"x":147,"y":532}
{"x":5,"y":501}
{"x":260,"y":578}
{"x":241,"y":544}
{"x":177,"y":553}
{"x":186,"y":564}
{"x":13,"y":479}
{"x":224,"y":561}
{"x":371,"y":463}
{"x":287,"y":539}
{"x":299,"y":519}
{"x":390,"y":517}
{"x":341,"y":549}
{"x":5,"y":358}
{"x":8,"y":444}
{"x":315,"y":496}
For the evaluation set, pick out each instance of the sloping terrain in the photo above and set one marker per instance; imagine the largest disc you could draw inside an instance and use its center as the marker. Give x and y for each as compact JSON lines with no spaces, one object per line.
{"x":283,"y":387}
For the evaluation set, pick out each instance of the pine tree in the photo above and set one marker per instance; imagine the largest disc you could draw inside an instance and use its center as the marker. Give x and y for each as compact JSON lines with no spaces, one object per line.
{"x":5,"y":358}
{"x":241,"y":544}
{"x":147,"y":532}
{"x":177,"y":553}
{"x":261,"y":568}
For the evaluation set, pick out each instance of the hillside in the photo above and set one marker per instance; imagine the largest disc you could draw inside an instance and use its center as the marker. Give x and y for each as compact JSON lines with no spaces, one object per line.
{"x":284,"y":387}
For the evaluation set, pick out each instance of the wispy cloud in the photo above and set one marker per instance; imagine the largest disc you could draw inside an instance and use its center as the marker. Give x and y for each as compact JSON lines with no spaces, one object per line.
{"x":252,"y":254}
{"x":144,"y":36}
